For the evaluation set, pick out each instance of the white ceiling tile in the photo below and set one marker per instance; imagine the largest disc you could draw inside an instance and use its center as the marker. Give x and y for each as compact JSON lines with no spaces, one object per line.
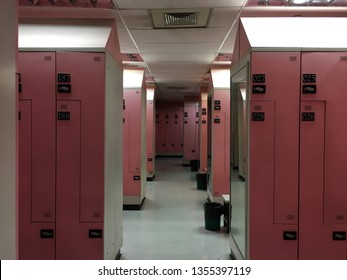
{"x":124,"y":37}
{"x":179,"y":75}
{"x":171,"y":70}
{"x":178,"y":80}
{"x":136,"y":19}
{"x":179,"y":64}
{"x":183,"y":35}
{"x":175,"y":4}
{"x":206,"y":57}
{"x":179,"y":48}
{"x":128,"y":48}
{"x":223,"y":17}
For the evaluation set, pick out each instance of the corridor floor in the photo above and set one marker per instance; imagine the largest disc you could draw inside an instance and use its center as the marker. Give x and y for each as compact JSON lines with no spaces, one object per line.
{"x":170,"y":225}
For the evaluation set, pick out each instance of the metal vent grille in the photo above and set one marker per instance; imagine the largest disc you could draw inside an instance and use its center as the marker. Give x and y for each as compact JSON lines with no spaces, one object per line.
{"x":181,"y":18}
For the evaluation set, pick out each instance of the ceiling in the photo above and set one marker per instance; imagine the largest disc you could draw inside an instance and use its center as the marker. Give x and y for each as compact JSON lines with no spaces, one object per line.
{"x":178,"y":59}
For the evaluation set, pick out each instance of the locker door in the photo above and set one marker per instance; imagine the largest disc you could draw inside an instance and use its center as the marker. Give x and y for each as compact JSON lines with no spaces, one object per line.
{"x":37,"y":155}
{"x":263,"y":232}
{"x":169,"y":132}
{"x":36,"y":240}
{"x":178,"y":131}
{"x":76,"y":239}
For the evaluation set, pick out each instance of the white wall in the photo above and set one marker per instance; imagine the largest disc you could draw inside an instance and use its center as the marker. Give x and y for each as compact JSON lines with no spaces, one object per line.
{"x":8,"y":117}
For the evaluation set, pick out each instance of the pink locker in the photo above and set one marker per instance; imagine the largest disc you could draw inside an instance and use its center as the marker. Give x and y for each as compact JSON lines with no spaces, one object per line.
{"x":160,"y":132}
{"x":190,"y":151}
{"x":273,"y":155}
{"x":37,"y":232}
{"x":169,"y":133}
{"x":150,"y":140}
{"x":80,"y":155}
{"x":203,"y":132}
{"x":323,"y":195}
{"x":134,"y":157}
{"x":178,"y":127}
{"x":221,"y":142}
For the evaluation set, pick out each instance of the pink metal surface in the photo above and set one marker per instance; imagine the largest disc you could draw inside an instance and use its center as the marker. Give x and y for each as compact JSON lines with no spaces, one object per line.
{"x":323,"y":158}
{"x":178,"y":131}
{"x":170,"y":132}
{"x":273,"y":155}
{"x":150,"y":137}
{"x":203,"y":131}
{"x":80,"y":157}
{"x":132,"y":142}
{"x":190,"y":149}
{"x":36,"y":155}
{"x":221,"y":142}
{"x":160,"y":132}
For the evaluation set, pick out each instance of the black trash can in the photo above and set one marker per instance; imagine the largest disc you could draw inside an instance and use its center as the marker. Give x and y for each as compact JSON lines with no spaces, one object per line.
{"x":194,"y":165}
{"x":213,"y":211}
{"x":201,"y":180}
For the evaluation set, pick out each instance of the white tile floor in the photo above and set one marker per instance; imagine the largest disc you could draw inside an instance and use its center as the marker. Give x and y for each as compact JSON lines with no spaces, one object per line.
{"x":170,"y":225}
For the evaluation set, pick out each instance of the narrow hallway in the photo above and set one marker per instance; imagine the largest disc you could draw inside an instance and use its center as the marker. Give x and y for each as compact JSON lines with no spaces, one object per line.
{"x":171,"y":222}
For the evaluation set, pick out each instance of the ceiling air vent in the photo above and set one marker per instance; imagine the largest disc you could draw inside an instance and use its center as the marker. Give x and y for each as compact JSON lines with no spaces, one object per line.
{"x":180,"y":18}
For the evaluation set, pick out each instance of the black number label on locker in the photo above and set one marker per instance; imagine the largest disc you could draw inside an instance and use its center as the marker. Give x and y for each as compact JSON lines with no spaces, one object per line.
{"x":217,"y":102}
{"x":63,"y":116}
{"x":308,"y":116}
{"x":258,"y":116}
{"x":258,"y":78}
{"x":308,"y":78}
{"x":64,"y":78}
{"x":217,"y":108}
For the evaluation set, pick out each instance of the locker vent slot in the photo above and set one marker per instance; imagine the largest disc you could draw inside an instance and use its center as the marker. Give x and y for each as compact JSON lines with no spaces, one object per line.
{"x":47,"y":215}
{"x":48,"y":58}
{"x":258,"y":107}
{"x":343,"y":58}
{"x":292,"y":58}
{"x":97,"y":58}
{"x":96,"y":215}
{"x":290,"y":217}
{"x":308,"y":107}
{"x":340,"y":217}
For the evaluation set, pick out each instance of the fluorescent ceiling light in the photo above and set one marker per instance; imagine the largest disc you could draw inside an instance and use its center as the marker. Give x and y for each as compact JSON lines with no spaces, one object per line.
{"x":220,"y":78}
{"x":133,"y":78}
{"x":150,"y":94}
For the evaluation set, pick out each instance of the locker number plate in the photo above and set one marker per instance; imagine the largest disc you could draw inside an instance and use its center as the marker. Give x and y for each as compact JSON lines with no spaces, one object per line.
{"x":308,"y":117}
{"x":258,"y":116}
{"x":63,"y":116}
